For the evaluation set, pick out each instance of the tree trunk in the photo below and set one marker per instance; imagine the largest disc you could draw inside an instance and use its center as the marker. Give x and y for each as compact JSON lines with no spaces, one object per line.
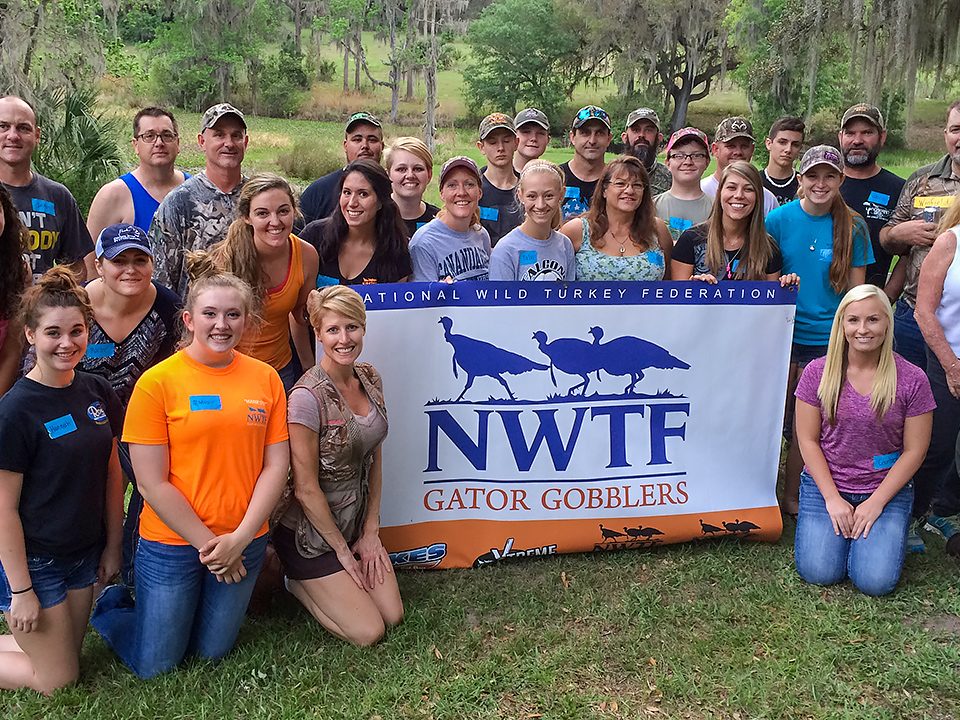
{"x":356,"y":58}
{"x":392,"y":8}
{"x":298,"y":12}
{"x":346,"y":64}
{"x":411,"y":40}
{"x":430,"y":77}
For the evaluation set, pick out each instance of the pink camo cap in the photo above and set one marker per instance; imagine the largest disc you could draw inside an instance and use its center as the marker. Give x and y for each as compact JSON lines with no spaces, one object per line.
{"x":688,"y":132}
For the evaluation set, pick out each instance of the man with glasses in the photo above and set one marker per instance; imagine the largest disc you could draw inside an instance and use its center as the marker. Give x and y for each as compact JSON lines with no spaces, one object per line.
{"x":197,"y":214}
{"x":641,"y":138}
{"x":56,"y":233}
{"x":685,"y":204}
{"x":133,"y":199}
{"x":734,"y":141}
{"x":590,"y":136}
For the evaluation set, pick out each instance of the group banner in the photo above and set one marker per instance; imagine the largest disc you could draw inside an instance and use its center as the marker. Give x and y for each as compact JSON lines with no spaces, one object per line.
{"x":533,"y":418}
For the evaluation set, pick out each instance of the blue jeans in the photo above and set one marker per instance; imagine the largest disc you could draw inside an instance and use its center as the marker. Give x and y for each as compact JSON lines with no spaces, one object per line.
{"x":180,"y":608}
{"x":907,"y":338}
{"x":872,"y":563}
{"x":53,"y":577}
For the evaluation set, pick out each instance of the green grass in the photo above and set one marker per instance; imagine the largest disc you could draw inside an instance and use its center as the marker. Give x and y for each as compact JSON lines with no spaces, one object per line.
{"x":718,"y":630}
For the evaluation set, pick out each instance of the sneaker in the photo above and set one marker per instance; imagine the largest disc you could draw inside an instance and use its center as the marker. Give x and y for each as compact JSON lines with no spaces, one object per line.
{"x":945,"y":526}
{"x":915,"y":543}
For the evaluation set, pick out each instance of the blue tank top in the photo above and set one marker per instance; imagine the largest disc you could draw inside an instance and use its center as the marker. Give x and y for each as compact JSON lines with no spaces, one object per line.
{"x":144,"y":204}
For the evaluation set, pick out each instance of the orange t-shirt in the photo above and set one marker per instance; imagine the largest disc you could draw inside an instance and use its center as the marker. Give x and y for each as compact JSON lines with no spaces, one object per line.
{"x":270,"y":341}
{"x":216,"y":423}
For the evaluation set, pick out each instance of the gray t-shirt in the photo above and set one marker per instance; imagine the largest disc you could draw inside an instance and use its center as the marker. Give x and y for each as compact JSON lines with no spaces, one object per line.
{"x":439,"y":252}
{"x":680,"y":215}
{"x":520,"y":257}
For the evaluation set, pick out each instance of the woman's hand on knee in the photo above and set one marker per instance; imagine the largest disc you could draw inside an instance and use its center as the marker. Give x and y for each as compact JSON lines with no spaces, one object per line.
{"x":865,"y":515}
{"x":373,"y":559}
{"x":841,"y":515}
{"x":25,"y":612}
{"x":349,"y":562}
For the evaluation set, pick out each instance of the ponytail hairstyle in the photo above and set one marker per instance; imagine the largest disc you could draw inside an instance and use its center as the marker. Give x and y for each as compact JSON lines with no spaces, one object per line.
{"x":643,"y":228}
{"x":884,"y":390}
{"x":57,"y":288}
{"x":236,"y":253}
{"x":952,"y":215}
{"x":13,"y":246}
{"x":757,"y":245}
{"x":205,"y":274}
{"x":541,"y":167}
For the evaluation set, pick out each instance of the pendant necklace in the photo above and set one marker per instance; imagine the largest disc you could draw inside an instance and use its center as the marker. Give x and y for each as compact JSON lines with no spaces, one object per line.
{"x":621,"y":243}
{"x":732,"y":263}
{"x":780,"y":183}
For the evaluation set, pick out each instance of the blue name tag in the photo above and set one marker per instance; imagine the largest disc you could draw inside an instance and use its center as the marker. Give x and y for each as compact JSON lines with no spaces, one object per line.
{"x":681,"y":224}
{"x":325,"y":280}
{"x":879,"y":198}
{"x":572,"y":192}
{"x":205,"y":402}
{"x":489,"y":213}
{"x":101,"y":350}
{"x":826,"y":255}
{"x":655,"y":258}
{"x":885,"y":462}
{"x":44,"y":206}
{"x":60,"y":426}
{"x":528,"y":257}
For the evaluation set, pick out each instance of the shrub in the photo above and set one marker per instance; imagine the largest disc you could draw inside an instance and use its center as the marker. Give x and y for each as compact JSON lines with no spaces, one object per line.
{"x":308,"y":159}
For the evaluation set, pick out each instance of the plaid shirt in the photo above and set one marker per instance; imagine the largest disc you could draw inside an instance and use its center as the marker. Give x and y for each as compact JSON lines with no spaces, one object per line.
{"x":932,"y":186}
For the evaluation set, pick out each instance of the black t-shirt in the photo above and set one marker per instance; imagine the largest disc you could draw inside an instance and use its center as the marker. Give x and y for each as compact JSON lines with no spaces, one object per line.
{"x":380,"y":269}
{"x":691,"y":249}
{"x":320,"y":197}
{"x":152,"y":340}
{"x":60,"y":440}
{"x":875,"y":198}
{"x":576,"y":200}
{"x":783,"y":193}
{"x":428,"y":214}
{"x":500,"y":211}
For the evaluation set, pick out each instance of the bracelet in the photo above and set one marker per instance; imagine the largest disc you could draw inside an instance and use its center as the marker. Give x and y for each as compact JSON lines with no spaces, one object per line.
{"x":21,"y":592}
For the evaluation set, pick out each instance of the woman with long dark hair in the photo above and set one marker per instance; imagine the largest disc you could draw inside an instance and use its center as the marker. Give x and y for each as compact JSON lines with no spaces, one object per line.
{"x":620,"y":236}
{"x":14,"y":278}
{"x":365,"y":239}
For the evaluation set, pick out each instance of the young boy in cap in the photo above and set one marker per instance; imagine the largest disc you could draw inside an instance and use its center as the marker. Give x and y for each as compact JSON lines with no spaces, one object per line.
{"x":590,"y":136}
{"x":685,"y":204}
{"x":641,"y":138}
{"x":734,"y":141}
{"x":533,"y":136}
{"x":500,"y":211}
{"x":783,"y":143}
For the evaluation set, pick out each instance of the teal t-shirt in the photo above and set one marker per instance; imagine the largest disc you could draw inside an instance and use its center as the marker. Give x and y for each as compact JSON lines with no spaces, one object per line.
{"x":806,"y":243}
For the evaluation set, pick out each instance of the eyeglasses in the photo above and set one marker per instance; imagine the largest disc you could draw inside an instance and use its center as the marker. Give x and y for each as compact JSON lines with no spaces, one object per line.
{"x":150,"y":137}
{"x":681,"y":156}
{"x":620,"y":186}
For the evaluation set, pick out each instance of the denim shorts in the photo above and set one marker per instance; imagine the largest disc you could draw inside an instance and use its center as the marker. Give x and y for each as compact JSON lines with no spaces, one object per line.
{"x":52,"y":577}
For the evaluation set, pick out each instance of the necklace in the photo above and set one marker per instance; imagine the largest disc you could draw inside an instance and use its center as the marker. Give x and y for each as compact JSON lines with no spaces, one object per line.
{"x":780,"y":183}
{"x":733,"y":262}
{"x":618,"y":241}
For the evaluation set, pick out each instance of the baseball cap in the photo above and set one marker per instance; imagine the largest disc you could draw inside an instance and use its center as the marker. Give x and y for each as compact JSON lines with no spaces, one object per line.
{"x":362,"y":117}
{"x":821,"y":155}
{"x":114,"y":239}
{"x":493,"y":121}
{"x":870,"y":113}
{"x":458,"y":161}
{"x":643,"y":113}
{"x":591,"y":112}
{"x":733,"y":127}
{"x":213,"y":114}
{"x":685,"y":133}
{"x":531,"y":115}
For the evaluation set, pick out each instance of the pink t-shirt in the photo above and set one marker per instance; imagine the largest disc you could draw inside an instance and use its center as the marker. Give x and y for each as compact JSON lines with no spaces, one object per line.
{"x":859,"y":448}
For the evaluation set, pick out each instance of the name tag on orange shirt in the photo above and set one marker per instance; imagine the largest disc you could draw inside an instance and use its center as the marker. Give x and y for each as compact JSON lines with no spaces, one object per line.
{"x":205,"y":402}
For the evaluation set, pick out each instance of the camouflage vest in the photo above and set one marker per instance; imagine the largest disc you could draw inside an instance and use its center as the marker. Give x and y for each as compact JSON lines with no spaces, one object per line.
{"x":343,"y":470}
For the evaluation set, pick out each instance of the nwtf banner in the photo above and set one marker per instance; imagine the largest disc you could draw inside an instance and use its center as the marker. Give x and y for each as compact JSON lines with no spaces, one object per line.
{"x":540,"y":418}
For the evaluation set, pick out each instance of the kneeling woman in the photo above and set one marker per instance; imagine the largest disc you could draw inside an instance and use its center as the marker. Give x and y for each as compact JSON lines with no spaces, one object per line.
{"x":863,"y":424}
{"x":208,"y":439}
{"x":328,"y":537}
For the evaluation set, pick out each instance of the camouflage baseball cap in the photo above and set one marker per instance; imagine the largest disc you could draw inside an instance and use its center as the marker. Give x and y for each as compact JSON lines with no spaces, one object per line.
{"x":685,"y":134}
{"x":821,"y":155}
{"x":870,"y":113}
{"x":362,"y":117}
{"x":643,"y":113}
{"x":733,"y":127}
{"x":588,"y":113}
{"x":213,"y":114}
{"x":531,"y":115}
{"x":493,"y":121}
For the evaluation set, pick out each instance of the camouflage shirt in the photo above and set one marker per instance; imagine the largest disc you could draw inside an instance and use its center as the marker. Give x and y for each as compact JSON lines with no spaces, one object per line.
{"x":193,"y":216}
{"x":660,"y":179}
{"x":930,"y":189}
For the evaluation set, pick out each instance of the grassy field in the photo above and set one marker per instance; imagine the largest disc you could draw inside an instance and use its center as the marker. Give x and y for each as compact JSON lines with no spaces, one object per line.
{"x":704,"y":631}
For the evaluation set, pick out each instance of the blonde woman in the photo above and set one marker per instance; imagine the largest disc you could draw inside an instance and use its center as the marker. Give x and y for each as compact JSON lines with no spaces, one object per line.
{"x":410,"y":167}
{"x":535,"y":250}
{"x":863,"y":424}
{"x":281,"y":268}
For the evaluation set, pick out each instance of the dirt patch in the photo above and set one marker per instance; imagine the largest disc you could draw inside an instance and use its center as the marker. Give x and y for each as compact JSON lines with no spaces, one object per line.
{"x":942,"y":625}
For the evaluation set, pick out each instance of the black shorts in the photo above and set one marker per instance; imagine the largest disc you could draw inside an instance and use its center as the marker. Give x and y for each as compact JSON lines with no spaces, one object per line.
{"x":295,"y":565}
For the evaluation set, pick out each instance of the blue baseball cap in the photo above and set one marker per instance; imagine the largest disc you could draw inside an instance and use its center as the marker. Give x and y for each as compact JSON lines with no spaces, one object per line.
{"x":114,"y":239}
